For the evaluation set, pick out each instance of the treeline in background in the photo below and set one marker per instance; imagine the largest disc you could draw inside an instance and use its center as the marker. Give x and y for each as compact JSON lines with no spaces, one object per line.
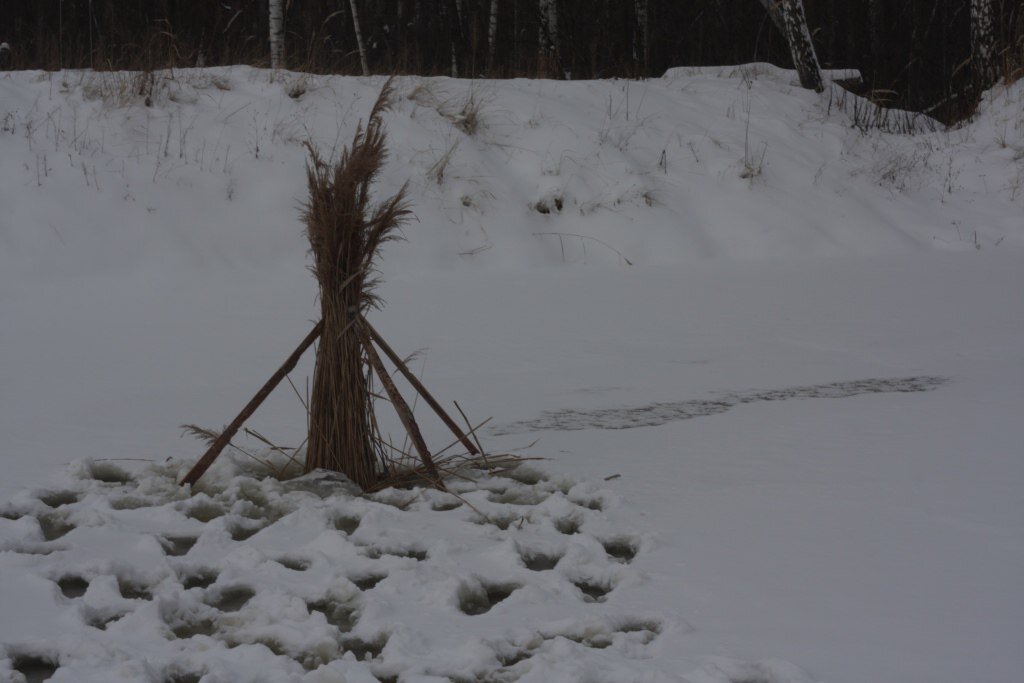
{"x":913,"y":54}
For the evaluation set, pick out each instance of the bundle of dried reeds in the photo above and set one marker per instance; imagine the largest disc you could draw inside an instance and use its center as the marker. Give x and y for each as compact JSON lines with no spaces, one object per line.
{"x":346,"y":231}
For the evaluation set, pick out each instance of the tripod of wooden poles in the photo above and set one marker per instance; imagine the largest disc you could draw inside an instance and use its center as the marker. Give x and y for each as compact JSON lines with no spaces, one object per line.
{"x":370,"y":340}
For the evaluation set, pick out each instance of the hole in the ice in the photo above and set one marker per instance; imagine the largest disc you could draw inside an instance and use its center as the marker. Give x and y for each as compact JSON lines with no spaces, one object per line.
{"x":54,"y":526}
{"x":365,"y":650}
{"x":365,"y":583}
{"x":56,"y":499}
{"x":524,"y":496}
{"x":130,"y":590}
{"x":205,"y":511}
{"x":190,"y":629}
{"x":109,"y":474}
{"x":568,"y":525}
{"x":474,"y":600}
{"x":620,"y":549}
{"x":296,"y":564}
{"x":200,"y":579}
{"x":445,"y":507}
{"x":73,"y":586}
{"x":176,"y":546}
{"x":593,"y":591}
{"x":338,"y":614}
{"x":538,"y":561}
{"x":233,"y":599}
{"x":524,"y":475}
{"x":346,"y":524}
{"x":35,"y":669}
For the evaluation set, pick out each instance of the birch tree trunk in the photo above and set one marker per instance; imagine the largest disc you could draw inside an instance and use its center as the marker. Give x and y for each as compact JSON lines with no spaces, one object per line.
{"x":359,"y":37}
{"x":789,"y":16}
{"x":983,"y":43}
{"x":276,"y":14}
{"x":492,"y":35}
{"x":547,"y":37}
{"x":640,"y":36}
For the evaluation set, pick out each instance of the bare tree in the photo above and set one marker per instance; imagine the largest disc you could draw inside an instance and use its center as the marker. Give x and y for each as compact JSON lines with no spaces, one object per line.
{"x":276,"y":14}
{"x":983,"y":43}
{"x":789,"y":17}
{"x":641,"y":35}
{"x":547,"y":37}
{"x":359,"y":37}
{"x":492,"y":35}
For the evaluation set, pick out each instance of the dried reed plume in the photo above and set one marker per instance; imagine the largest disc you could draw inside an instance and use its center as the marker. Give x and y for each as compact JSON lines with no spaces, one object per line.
{"x":345,"y":233}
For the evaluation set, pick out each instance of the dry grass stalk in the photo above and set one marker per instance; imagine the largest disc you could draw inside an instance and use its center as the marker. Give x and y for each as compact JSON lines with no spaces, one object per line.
{"x":345,"y":233}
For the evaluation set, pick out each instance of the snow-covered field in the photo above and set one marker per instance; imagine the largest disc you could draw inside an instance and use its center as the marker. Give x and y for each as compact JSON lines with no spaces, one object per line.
{"x":798,"y":344}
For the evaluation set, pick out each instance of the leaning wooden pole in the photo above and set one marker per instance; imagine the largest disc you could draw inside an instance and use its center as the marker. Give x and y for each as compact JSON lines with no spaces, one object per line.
{"x":229,"y":432}
{"x":418,"y":386}
{"x":401,"y":407}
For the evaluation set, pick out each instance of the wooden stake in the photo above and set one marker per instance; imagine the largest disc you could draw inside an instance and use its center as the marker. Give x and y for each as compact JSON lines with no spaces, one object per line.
{"x":229,"y":432}
{"x":401,"y":407}
{"x":418,"y":386}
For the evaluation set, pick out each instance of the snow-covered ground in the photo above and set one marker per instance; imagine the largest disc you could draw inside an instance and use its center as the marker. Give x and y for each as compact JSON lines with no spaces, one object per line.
{"x":797,"y":343}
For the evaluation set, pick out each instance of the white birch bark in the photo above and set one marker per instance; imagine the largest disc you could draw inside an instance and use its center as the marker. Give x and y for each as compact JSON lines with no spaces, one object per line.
{"x":983,"y":43}
{"x":789,"y":16}
{"x":276,"y":14}
{"x":359,"y":37}
{"x":492,"y":35}
{"x":547,"y":37}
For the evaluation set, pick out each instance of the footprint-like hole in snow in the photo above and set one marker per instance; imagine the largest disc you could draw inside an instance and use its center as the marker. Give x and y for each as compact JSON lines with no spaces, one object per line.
{"x":296,"y":564}
{"x":525,"y":496}
{"x":509,"y":659}
{"x":102,"y":622}
{"x":364,"y":650}
{"x":474,"y":600}
{"x":176,"y":546}
{"x":233,"y":599}
{"x":367,"y":582}
{"x":647,"y":630}
{"x":73,"y":586}
{"x":189,"y":629}
{"x":203,"y":578}
{"x":54,"y":526}
{"x":503,"y":522}
{"x":190,"y":677}
{"x":109,"y":474}
{"x":446,"y":506}
{"x":593,"y":591}
{"x":341,"y":615}
{"x":620,"y":549}
{"x":590,"y":504}
{"x":346,"y":524}
{"x":375,"y":553}
{"x":538,"y":561}
{"x":205,"y":512}
{"x":129,"y":503}
{"x":131,"y":590}
{"x":568,"y":525}
{"x":524,"y":475}
{"x":35,"y":669}
{"x":56,"y":499}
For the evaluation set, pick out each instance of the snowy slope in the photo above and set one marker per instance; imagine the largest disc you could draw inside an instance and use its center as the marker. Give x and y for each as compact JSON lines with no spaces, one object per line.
{"x":799,"y":344}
